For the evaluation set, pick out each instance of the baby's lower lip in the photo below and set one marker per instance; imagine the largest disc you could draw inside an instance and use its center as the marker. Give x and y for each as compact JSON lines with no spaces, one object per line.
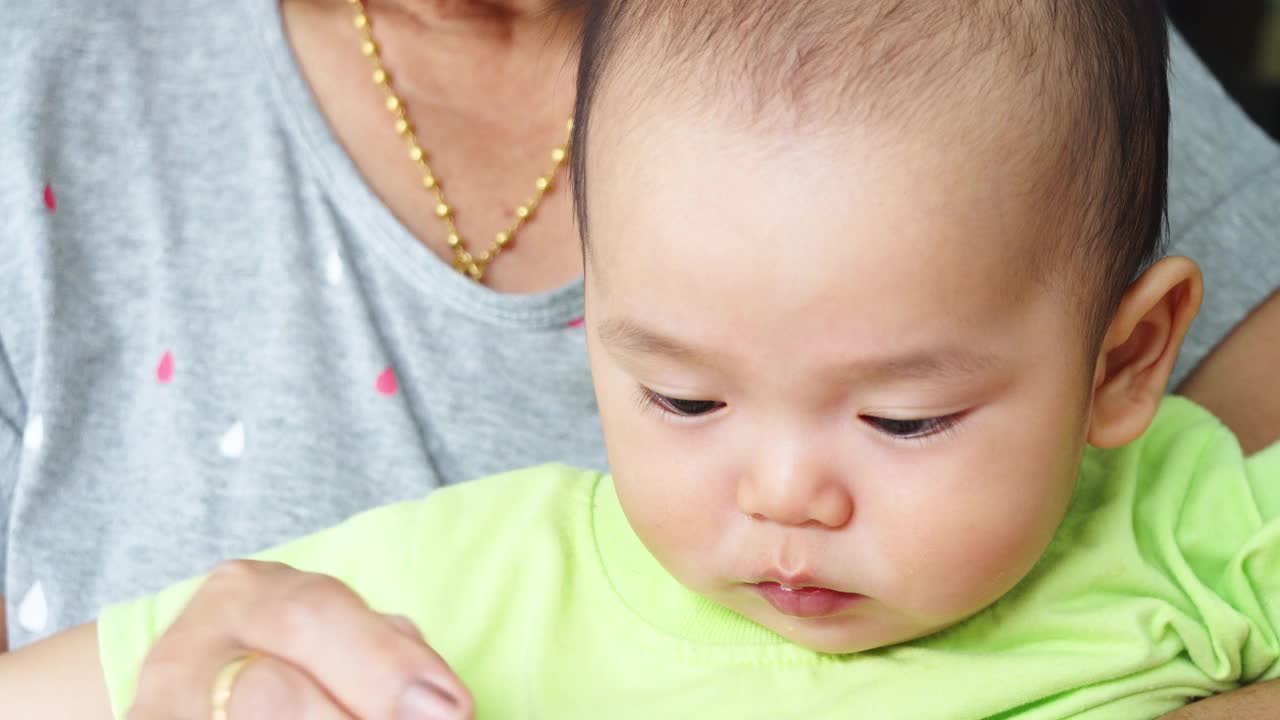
{"x":805,"y":602}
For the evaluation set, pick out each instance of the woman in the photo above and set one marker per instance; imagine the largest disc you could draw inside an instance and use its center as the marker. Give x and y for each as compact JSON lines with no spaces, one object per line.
{"x":224,"y":325}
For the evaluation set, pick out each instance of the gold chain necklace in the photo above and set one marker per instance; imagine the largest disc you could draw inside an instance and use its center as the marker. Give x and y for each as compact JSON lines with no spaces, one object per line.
{"x":473,"y":266}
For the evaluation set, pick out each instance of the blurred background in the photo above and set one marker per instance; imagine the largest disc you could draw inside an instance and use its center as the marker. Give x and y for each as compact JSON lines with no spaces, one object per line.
{"x":1240,"y":42}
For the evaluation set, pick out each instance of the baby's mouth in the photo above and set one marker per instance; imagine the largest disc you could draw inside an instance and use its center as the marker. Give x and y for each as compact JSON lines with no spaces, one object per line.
{"x":805,"y":601}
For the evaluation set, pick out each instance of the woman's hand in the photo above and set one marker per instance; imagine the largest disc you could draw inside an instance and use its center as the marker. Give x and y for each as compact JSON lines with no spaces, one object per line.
{"x":325,"y":654}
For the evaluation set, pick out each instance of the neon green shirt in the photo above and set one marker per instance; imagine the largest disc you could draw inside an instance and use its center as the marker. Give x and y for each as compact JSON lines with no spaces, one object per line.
{"x":1162,"y":585}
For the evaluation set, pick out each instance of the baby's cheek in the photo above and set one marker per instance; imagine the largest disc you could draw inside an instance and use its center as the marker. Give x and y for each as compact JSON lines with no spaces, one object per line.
{"x":953,"y":564}
{"x":677,"y":515}
{"x":970,"y":540}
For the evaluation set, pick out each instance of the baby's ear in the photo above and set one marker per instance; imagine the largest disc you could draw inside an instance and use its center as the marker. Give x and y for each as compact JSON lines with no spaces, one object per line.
{"x":1139,"y":350}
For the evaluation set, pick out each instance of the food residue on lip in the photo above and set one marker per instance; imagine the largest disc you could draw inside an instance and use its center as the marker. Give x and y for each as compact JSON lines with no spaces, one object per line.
{"x":805,"y":602}
{"x":802,"y":588}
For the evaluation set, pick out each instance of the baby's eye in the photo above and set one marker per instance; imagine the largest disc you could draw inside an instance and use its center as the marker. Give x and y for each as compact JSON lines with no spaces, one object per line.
{"x":910,"y":429}
{"x":679,"y":406}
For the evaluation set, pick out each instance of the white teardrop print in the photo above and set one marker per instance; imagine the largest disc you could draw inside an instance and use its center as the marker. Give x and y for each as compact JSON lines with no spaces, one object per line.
{"x":232,"y":443}
{"x":33,"y":611}
{"x":33,"y":436}
{"x":334,"y":269}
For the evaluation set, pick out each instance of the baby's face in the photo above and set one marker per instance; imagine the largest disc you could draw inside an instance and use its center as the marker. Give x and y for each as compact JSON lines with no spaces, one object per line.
{"x":834,"y":399}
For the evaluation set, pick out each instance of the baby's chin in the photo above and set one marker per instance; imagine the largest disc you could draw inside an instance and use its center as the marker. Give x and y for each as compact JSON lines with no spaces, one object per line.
{"x":862,"y":629}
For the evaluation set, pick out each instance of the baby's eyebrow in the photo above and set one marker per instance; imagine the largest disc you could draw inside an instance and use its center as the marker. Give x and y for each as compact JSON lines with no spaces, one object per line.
{"x":946,"y":362}
{"x":942,"y":362}
{"x":628,"y":336}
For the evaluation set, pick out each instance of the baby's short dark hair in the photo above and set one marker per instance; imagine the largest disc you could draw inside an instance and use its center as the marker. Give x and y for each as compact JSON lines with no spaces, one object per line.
{"x":1093,"y":73}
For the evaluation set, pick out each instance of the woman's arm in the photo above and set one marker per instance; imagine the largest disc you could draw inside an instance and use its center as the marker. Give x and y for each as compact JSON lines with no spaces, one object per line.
{"x":1237,"y":381}
{"x":57,"y":678}
{"x":1252,"y":702}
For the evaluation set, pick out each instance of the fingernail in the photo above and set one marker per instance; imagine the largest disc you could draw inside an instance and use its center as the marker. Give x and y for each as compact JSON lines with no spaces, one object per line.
{"x":427,"y":702}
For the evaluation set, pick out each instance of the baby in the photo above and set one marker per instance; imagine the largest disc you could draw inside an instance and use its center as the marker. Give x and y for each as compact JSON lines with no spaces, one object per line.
{"x":879,"y":340}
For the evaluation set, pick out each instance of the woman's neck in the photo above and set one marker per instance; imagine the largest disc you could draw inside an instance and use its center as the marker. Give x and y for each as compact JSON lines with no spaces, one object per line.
{"x":508,"y":17}
{"x":485,"y":44}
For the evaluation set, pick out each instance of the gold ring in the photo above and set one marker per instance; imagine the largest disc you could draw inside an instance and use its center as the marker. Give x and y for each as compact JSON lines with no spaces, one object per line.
{"x":225,"y":681}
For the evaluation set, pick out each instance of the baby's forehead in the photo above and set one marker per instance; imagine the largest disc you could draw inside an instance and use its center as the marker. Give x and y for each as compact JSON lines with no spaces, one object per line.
{"x":1002,"y":171}
{"x":850,"y":197}
{"x":785,"y":290}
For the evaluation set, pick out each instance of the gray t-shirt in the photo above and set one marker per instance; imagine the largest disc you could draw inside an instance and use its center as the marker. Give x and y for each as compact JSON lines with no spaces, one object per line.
{"x":214,"y":337}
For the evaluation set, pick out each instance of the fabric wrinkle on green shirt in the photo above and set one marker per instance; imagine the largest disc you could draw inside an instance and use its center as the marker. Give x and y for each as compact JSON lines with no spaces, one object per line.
{"x":1161,"y":586}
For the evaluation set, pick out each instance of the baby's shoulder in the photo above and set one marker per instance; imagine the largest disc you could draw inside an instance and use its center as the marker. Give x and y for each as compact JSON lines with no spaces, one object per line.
{"x":552,"y":497}
{"x":1183,"y":491}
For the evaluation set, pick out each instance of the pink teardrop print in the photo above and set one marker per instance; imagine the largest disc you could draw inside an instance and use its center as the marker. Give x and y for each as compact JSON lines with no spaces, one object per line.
{"x":387,"y":383}
{"x":50,"y":200}
{"x":576,"y":323}
{"x":164,"y":371}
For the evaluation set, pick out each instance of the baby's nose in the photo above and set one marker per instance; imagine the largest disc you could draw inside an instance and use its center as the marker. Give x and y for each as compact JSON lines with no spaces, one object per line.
{"x":796,"y":500}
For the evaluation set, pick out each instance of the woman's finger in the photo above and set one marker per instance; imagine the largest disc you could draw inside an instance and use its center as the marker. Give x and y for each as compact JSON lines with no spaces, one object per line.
{"x":271,"y":689}
{"x":267,"y":689}
{"x":367,"y":663}
{"x":405,"y":626}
